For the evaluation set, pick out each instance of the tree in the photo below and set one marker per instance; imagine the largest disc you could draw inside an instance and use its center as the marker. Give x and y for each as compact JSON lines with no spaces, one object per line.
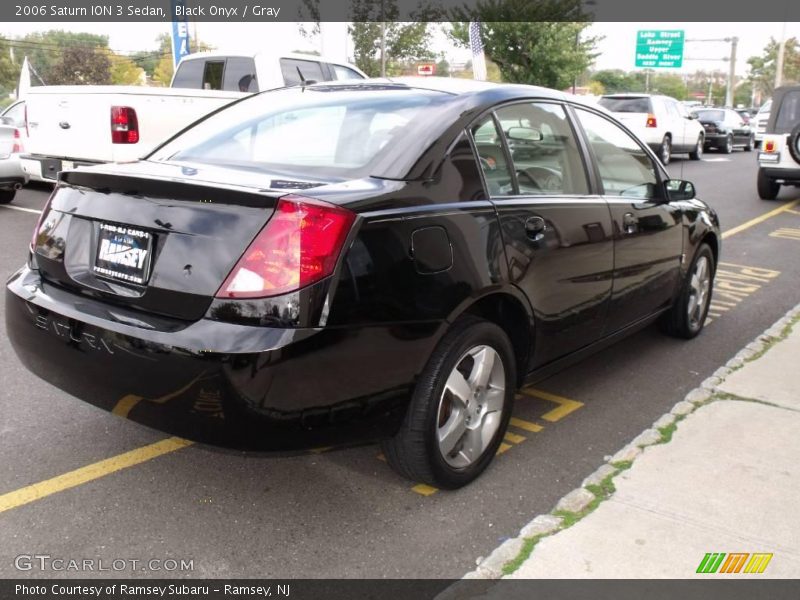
{"x":9,"y":70}
{"x":124,"y":71}
{"x":546,"y":53}
{"x":46,"y":49}
{"x":763,"y":68}
{"x":81,"y":65}
{"x":405,"y":43}
{"x":669,"y":84}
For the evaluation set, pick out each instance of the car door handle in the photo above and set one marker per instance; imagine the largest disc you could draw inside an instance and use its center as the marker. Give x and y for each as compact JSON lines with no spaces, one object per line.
{"x":630,"y":224}
{"x":535,"y":228}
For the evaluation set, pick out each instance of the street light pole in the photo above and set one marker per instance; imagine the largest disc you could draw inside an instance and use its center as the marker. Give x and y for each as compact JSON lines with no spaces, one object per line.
{"x":731,"y":73}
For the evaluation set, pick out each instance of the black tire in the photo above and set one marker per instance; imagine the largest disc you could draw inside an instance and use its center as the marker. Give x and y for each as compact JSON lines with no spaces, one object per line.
{"x":794,"y":143}
{"x":767,"y":188}
{"x":698,"y":149}
{"x":676,"y":321}
{"x":7,"y":196}
{"x":665,"y":150}
{"x":414,"y":451}
{"x":728,"y":147}
{"x":751,"y":144}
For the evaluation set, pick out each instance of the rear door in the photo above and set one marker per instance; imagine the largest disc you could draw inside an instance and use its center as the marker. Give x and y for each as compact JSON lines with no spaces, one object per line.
{"x":557,"y":235}
{"x":677,"y":125}
{"x":647,"y":232}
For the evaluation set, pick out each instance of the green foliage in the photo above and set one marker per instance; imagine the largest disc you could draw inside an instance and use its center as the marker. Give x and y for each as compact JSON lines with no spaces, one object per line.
{"x":405,"y":43}
{"x":47,"y":52}
{"x":764,"y":67}
{"x":9,"y":71}
{"x":124,"y":71}
{"x":81,"y":65}
{"x":550,"y":54}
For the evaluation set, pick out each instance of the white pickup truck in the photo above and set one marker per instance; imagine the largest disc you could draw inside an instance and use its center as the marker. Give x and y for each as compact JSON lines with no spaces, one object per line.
{"x":78,"y":125}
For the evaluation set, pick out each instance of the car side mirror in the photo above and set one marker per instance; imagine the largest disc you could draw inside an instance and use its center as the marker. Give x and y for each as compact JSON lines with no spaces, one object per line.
{"x":679,"y":189}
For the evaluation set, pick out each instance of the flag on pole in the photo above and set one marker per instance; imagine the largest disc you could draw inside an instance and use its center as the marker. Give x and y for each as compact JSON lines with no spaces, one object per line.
{"x":24,"y":80}
{"x":476,"y":45}
{"x":180,"y":31}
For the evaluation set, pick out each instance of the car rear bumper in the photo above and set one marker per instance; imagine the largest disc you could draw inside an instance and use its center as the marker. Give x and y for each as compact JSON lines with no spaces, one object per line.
{"x":715,"y":139}
{"x":237,"y":386}
{"x":11,"y":172}
{"x":782,"y":174}
{"x":47,"y":168}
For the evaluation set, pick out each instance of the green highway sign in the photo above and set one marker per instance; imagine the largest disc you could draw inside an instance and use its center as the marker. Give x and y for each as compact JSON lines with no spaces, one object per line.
{"x":659,"y":48}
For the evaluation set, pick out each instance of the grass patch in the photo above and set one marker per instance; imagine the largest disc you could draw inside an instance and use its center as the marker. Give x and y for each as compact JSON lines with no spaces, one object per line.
{"x":769,"y":343}
{"x":601,"y":492}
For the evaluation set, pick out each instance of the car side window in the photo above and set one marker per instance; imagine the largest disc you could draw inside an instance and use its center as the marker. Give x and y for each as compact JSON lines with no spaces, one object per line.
{"x":492,"y":158}
{"x":292,"y":69}
{"x":625,"y":168}
{"x":344,"y":73}
{"x":212,"y":74}
{"x":543,"y":149}
{"x":240,"y":75}
{"x":189,"y":75}
{"x":672,"y":108}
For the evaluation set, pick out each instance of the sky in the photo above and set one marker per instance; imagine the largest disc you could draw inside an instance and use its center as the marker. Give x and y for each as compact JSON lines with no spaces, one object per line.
{"x":616,"y":48}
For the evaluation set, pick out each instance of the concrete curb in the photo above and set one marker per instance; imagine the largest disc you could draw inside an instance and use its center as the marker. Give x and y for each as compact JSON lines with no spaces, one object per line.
{"x":578,"y":501}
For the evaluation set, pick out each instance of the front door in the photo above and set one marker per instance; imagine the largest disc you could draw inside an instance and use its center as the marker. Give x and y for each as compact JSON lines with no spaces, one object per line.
{"x":648,"y":237}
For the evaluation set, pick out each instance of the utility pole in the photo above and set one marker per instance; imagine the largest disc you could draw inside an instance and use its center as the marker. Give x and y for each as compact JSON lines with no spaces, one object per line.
{"x":731,"y":74}
{"x":779,"y":62}
{"x":383,"y":48}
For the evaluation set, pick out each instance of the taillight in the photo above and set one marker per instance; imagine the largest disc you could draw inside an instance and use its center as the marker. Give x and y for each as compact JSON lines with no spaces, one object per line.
{"x":769,"y":145}
{"x":124,"y":125}
{"x":17,"y":147}
{"x":42,"y":218}
{"x":298,"y":246}
{"x":651,"y":121}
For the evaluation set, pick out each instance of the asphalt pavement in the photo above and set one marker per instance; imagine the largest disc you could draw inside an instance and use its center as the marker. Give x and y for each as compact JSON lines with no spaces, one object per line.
{"x":344,"y":513}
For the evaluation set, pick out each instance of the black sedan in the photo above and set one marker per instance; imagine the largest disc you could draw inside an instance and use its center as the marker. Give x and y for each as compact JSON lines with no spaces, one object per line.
{"x":726,"y":129}
{"x":381,"y":260}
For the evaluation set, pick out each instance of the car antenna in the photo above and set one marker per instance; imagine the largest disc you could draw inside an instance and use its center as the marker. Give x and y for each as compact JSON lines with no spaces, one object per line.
{"x":303,"y":81}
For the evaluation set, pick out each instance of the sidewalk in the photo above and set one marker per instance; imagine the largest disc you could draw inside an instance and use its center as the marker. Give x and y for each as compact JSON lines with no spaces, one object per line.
{"x":719,"y":474}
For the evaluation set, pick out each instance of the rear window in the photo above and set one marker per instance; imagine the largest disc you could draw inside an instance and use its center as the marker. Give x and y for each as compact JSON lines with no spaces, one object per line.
{"x":711,"y":115}
{"x":307,"y":132}
{"x":789,"y":113}
{"x":627,"y":105}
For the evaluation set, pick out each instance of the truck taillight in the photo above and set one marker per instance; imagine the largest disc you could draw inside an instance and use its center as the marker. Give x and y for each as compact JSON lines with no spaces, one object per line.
{"x":17,"y":147}
{"x":651,"y":121}
{"x":298,"y":246}
{"x":124,"y":125}
{"x":25,"y":112}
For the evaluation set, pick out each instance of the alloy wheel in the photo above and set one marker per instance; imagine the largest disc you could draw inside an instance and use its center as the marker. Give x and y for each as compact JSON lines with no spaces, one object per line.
{"x":699,"y":286}
{"x":471,"y":406}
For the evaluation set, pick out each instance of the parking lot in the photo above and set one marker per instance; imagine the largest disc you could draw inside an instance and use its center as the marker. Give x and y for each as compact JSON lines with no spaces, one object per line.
{"x":77,"y":483}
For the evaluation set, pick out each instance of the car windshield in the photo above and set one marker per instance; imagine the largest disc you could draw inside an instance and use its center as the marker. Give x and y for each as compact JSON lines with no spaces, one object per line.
{"x":626,"y":105}
{"x":322,"y":132}
{"x":711,"y":115}
{"x":788,"y":116}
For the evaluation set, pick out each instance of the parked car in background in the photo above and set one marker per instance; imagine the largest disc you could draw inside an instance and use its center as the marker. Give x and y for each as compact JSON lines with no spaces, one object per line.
{"x":779,"y":159}
{"x":725,"y":130}
{"x":761,"y":118}
{"x":661,"y":122}
{"x":12,"y":176}
{"x":82,"y":125}
{"x":380,"y":260}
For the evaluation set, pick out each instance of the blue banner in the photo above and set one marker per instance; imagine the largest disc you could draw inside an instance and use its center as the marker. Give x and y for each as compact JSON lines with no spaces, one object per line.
{"x":180,"y":31}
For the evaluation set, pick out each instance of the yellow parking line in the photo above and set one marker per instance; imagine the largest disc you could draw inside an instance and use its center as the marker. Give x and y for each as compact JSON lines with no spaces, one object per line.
{"x":526,"y":425}
{"x":424,"y":489}
{"x":566,"y":406}
{"x":89,"y":473}
{"x":760,"y":219}
{"x":503,"y":448}
{"x":514,"y":438}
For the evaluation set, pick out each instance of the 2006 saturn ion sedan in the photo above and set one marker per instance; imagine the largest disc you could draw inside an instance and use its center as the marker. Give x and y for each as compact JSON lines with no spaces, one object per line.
{"x":378,"y":260}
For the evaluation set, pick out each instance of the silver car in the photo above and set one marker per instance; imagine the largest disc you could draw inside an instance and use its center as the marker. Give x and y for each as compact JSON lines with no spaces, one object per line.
{"x":12,"y":177}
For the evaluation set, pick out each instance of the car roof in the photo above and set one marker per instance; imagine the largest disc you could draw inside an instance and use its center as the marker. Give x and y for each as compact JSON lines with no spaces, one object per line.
{"x":235,"y":54}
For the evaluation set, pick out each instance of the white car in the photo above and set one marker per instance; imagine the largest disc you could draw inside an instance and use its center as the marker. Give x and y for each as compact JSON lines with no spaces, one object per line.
{"x":759,"y":123}
{"x":661,"y":122}
{"x":779,"y":159}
